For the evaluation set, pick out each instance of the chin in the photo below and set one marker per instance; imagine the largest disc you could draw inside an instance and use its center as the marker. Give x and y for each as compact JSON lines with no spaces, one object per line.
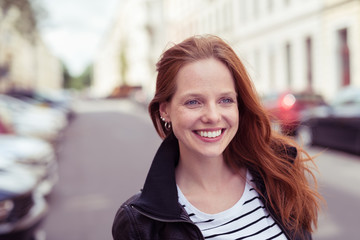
{"x":211,"y":154}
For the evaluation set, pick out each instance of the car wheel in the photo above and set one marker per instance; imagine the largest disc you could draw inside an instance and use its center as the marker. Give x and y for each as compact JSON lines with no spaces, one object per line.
{"x":304,"y":135}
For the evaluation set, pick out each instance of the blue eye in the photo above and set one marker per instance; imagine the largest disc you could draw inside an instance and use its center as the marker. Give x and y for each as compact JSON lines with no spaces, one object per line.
{"x":227,"y":100}
{"x":192,"y":102}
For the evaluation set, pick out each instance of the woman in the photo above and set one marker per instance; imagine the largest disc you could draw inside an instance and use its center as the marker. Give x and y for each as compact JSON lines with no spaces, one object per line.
{"x":221,"y":172}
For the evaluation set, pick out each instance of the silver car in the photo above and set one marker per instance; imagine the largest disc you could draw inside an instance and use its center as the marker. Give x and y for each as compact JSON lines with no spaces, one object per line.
{"x":30,"y":120}
{"x":36,"y":155}
{"x":22,"y":207}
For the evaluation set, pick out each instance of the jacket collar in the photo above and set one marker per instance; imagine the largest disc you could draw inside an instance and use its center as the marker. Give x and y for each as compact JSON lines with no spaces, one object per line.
{"x":159,"y":196}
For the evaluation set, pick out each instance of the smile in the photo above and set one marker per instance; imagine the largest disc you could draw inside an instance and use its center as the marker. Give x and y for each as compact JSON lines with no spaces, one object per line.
{"x":209,"y":134}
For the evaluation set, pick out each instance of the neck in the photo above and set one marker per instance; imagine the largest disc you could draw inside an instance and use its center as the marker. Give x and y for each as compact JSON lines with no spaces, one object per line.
{"x":206,"y":174}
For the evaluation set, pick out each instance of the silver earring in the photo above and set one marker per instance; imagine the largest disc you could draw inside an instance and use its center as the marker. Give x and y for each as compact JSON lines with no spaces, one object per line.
{"x":167,"y":125}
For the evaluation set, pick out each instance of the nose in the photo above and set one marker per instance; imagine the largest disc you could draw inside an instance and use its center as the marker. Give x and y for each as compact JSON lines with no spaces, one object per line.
{"x":211,"y":114}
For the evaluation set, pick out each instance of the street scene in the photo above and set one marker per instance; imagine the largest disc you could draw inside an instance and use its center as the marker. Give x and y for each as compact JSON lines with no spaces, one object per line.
{"x":76,"y":78}
{"x":106,"y":153}
{"x":103,"y":159}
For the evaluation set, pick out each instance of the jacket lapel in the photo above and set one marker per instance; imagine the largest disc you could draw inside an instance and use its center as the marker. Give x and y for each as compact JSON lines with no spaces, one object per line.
{"x":159,"y":196}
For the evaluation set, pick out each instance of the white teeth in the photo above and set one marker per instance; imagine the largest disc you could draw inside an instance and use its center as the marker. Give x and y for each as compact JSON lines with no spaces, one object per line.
{"x":209,"y":134}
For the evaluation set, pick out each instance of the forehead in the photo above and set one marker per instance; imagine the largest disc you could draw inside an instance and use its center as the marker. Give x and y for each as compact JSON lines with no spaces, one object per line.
{"x":203,"y":75}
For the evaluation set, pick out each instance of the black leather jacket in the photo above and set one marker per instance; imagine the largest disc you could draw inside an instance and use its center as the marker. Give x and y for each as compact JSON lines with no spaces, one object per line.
{"x":156,"y":214}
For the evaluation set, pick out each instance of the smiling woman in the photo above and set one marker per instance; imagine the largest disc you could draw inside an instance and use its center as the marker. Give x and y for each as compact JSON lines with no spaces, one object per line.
{"x":220,"y":173}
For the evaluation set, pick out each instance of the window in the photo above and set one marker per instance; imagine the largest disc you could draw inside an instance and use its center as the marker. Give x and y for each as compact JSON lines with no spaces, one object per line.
{"x":344,"y":57}
{"x":271,"y":68}
{"x":288,"y":64}
{"x":309,"y":67}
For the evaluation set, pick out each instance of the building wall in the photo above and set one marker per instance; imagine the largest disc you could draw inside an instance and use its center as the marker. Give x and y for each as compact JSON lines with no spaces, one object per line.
{"x":285,"y":44}
{"x":271,"y":38}
{"x":30,"y":64}
{"x":272,"y":43}
{"x":49,"y":72}
{"x":106,"y":71}
{"x":339,"y":15}
{"x":128,"y":40}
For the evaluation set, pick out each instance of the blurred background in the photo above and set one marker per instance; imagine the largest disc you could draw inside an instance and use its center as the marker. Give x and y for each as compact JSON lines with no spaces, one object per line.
{"x":76,"y":78}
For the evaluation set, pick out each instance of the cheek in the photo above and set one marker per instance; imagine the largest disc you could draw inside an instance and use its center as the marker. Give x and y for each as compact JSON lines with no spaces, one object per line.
{"x":233,"y":117}
{"x":182,"y":125}
{"x":184,"y":119}
{"x":233,"y":113}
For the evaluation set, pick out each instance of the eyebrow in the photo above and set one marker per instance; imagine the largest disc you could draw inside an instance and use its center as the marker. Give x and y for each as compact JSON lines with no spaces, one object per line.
{"x":190,"y":94}
{"x":202,"y":94}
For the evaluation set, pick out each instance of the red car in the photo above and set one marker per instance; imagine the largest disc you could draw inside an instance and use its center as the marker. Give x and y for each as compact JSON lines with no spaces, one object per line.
{"x":286,"y":109}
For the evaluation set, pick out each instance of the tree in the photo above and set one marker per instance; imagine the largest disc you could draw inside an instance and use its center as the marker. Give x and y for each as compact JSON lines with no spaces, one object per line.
{"x":30,"y":12}
{"x":66,"y":76}
{"x":123,"y":65}
{"x":82,"y":81}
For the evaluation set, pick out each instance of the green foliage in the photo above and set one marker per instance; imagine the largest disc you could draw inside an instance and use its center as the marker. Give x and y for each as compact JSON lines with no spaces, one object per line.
{"x":78,"y":82}
{"x":123,"y":65}
{"x":66,"y":76}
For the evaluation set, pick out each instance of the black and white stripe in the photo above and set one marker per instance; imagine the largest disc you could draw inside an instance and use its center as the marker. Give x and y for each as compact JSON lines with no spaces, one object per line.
{"x":247,"y":219}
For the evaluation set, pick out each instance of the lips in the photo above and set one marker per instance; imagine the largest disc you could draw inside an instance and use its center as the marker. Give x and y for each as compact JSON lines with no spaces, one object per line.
{"x":209,"y":134}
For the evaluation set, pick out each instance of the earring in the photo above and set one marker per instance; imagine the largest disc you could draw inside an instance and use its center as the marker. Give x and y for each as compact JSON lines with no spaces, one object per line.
{"x":167,"y":125}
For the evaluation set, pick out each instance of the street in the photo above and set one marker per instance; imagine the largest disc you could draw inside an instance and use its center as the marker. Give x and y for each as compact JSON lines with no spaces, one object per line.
{"x":104,"y":156}
{"x":339,"y":182}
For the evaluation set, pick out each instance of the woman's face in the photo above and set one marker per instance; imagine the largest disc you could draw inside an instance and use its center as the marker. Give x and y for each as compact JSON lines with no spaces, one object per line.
{"x":203,"y":111}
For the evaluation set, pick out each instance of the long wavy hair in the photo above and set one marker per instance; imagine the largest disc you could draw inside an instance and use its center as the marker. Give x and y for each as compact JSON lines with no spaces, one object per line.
{"x":255,"y":146}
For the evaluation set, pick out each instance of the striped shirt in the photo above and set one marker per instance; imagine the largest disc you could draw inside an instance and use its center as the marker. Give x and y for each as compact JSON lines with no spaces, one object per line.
{"x":247,"y":219}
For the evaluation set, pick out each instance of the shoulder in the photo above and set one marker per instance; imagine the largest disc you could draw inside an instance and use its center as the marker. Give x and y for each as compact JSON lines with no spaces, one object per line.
{"x":124,"y":225}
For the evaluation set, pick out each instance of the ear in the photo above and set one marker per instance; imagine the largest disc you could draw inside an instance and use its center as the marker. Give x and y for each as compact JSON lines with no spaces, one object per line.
{"x":163,"y":109}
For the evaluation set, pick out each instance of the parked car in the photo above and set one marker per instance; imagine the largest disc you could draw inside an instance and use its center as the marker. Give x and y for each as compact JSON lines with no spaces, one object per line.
{"x":22,"y":208}
{"x":60,"y":99}
{"x":35,"y":154}
{"x":336,"y":125}
{"x":29,"y":120}
{"x":286,"y":108}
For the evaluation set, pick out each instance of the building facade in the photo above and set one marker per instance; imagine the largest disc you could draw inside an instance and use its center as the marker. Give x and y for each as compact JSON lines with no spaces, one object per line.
{"x":299,"y":45}
{"x":126,"y":52}
{"x":25,"y":61}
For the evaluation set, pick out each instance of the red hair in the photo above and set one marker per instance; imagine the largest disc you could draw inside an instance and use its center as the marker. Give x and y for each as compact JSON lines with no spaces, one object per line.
{"x":255,"y":146}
